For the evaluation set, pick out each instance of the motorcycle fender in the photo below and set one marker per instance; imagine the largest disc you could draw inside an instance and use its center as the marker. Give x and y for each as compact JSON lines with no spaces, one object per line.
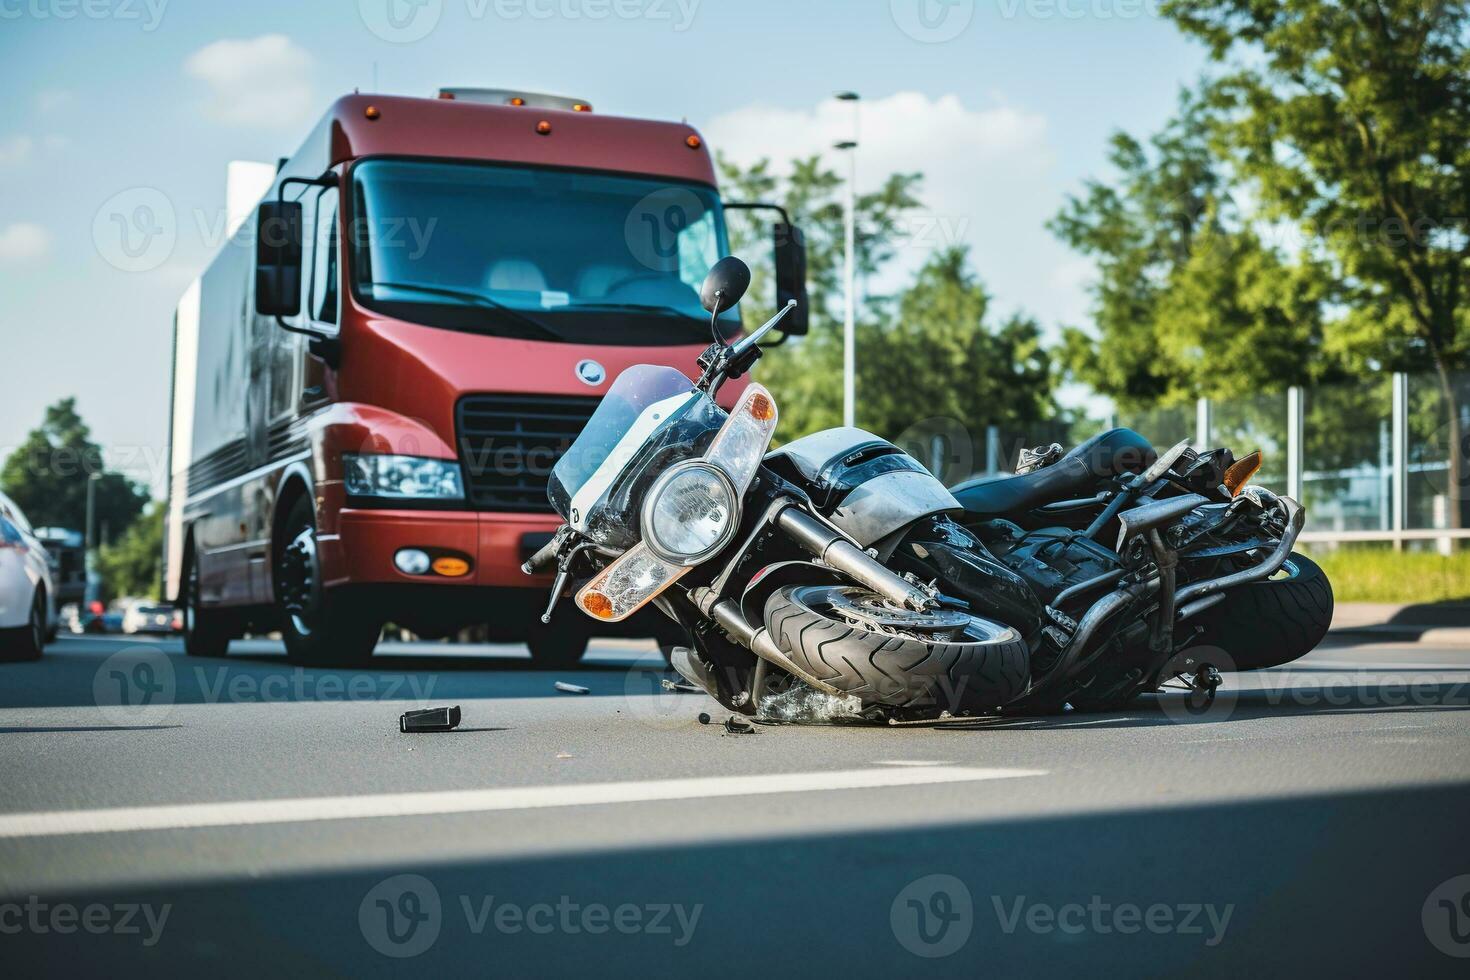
{"x":889,"y":501}
{"x":780,"y":575}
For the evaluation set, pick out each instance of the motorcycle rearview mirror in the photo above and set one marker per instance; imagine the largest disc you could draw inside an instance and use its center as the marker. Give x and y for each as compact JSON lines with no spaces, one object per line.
{"x":726,"y":283}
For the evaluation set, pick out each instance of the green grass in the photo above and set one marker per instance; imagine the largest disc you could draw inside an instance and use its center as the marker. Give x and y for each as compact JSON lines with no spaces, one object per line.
{"x":1361,"y":574}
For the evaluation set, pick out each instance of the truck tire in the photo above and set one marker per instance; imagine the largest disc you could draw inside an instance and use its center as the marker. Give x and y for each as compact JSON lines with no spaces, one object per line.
{"x":321,"y":627}
{"x":1274,"y":622}
{"x":207,"y":632}
{"x":903,"y":672}
{"x":26,"y":642}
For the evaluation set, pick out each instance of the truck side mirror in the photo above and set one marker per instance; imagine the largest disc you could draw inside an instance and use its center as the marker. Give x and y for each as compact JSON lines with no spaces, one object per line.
{"x":278,"y":258}
{"x":790,"y":249}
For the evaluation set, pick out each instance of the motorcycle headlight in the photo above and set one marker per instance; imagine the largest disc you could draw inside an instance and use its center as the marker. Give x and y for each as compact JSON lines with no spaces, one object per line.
{"x":402,"y":477}
{"x":690,"y":513}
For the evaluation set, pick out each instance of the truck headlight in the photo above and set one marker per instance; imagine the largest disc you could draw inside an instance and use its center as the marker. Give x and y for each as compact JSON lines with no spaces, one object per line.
{"x":402,"y":477}
{"x":690,"y":513}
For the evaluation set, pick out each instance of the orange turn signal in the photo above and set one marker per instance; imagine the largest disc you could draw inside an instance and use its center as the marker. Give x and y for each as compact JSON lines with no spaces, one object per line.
{"x":762,"y":408}
{"x":1240,"y":472}
{"x":451,"y":567}
{"x":598,"y":605}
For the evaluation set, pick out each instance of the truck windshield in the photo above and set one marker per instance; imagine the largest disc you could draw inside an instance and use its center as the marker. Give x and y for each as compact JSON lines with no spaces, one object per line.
{"x":536,"y":254}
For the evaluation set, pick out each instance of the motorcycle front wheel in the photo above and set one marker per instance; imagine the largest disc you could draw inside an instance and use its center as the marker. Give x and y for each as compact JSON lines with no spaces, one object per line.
{"x":914,"y":665}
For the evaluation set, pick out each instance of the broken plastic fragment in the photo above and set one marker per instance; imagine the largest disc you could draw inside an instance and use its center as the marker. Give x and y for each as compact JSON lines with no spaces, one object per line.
{"x":429,"y":720}
{"x":566,"y":688}
{"x":803,"y":703}
{"x":736,"y":725}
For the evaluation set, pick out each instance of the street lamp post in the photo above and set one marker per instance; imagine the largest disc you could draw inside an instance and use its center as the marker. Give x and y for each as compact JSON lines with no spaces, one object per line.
{"x":92,"y":479}
{"x":849,"y":346}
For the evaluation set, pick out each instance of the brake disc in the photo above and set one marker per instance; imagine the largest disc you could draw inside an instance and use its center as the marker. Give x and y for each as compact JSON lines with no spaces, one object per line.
{"x":865,"y":609}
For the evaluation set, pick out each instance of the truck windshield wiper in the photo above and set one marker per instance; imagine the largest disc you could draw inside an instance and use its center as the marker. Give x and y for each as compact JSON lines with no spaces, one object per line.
{"x":470,"y":296}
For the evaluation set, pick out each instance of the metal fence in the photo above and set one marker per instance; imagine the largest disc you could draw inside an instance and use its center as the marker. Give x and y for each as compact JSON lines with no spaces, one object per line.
{"x":1370,"y":461}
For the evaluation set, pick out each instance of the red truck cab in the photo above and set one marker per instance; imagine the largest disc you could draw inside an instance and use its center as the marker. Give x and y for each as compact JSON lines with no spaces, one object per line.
{"x":373,"y":380}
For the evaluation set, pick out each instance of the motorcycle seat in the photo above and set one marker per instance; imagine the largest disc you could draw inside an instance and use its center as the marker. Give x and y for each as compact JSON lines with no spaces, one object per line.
{"x":1104,"y":456}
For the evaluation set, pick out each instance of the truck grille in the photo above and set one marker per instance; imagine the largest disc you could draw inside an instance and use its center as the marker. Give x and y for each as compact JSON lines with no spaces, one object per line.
{"x":509,"y":443}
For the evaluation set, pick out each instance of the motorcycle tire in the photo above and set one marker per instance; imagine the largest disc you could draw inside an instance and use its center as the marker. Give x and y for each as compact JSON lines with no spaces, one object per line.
{"x":1274,"y":622}
{"x":903,"y":672}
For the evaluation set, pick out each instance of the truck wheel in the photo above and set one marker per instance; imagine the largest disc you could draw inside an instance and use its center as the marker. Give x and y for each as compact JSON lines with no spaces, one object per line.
{"x":207,"y":632}
{"x":1274,"y":622}
{"x":26,"y":642}
{"x":840,"y":635}
{"x":321,"y":627}
{"x":560,"y":644}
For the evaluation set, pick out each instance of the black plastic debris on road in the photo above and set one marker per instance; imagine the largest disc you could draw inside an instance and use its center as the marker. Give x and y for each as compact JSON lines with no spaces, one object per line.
{"x":735,"y":725}
{"x":566,"y":688}
{"x":429,"y":720}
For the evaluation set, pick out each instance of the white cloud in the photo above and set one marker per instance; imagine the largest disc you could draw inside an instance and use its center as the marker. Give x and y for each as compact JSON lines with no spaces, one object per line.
{"x":259,"y":81}
{"x":16,"y":149}
{"x":23,"y":240}
{"x":989,"y":182}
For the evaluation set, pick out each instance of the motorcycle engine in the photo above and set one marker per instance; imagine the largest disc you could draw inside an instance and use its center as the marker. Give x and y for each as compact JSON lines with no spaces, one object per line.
{"x":1051,"y":560}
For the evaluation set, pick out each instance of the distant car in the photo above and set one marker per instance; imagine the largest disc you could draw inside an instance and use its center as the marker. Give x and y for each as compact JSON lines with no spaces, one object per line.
{"x":152,"y":617}
{"x":27,"y":607}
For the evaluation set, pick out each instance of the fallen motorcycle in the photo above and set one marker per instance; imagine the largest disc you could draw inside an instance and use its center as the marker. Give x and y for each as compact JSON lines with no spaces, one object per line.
{"x":838,"y":567}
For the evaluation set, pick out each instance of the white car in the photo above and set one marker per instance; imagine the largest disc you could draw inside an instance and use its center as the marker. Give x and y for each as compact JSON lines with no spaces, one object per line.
{"x":27,"y":607}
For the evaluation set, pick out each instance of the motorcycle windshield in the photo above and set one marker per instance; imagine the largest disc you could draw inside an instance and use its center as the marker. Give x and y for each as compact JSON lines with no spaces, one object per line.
{"x":651,"y":418}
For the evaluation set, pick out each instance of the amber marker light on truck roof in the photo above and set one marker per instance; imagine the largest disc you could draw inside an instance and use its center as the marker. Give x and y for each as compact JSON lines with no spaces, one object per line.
{"x":371,"y":112}
{"x":517,"y":100}
{"x":544,"y":128}
{"x":581,"y":107}
{"x":693,"y":142}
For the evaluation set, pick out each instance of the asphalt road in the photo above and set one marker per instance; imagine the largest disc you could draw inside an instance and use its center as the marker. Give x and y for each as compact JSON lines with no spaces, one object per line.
{"x":165,"y":815}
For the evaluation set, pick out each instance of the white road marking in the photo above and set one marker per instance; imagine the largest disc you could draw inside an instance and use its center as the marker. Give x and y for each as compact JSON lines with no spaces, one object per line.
{"x":254,"y":812}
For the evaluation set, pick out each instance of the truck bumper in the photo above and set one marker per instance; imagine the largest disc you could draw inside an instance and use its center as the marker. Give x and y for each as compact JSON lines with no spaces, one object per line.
{"x":496,"y":544}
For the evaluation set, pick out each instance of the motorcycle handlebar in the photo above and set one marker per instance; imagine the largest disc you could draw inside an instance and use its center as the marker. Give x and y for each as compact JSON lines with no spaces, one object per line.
{"x":544,"y":558}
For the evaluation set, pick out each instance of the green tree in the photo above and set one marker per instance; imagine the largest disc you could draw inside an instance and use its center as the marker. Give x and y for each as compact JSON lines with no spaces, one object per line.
{"x":47,"y":477}
{"x":131,"y":566}
{"x":1189,"y":299}
{"x":1353,"y":120}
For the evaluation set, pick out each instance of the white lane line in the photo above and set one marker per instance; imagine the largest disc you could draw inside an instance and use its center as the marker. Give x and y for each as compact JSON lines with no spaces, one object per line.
{"x":252,"y":812}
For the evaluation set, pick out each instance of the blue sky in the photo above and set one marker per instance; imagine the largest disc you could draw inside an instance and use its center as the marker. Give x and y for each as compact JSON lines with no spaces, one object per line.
{"x":1005,"y":104}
